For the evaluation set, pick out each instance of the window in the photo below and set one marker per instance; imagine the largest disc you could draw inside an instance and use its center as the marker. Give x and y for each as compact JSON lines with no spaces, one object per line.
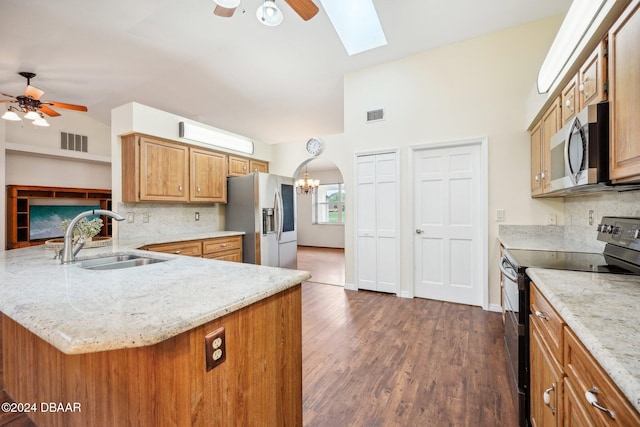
{"x":328,"y":204}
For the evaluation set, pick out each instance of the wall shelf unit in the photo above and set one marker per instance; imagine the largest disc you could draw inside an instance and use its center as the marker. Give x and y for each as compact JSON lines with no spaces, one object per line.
{"x":19,"y":200}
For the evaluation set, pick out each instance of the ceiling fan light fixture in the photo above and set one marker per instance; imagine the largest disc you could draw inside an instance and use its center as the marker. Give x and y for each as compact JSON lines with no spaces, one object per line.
{"x":11,"y":116}
{"x":227,"y":4}
{"x":40,"y":121}
{"x":269,"y":14}
{"x":32,"y":115}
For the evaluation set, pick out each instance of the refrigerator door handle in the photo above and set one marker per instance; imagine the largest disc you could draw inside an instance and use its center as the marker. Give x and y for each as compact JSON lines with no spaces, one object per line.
{"x":278,"y":215}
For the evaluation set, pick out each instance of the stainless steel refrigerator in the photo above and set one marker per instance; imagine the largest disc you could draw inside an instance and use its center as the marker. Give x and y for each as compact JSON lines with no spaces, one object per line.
{"x":264,"y":207}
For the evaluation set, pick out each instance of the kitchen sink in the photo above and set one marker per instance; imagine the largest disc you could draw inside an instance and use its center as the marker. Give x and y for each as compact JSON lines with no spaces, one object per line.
{"x":116,"y":262}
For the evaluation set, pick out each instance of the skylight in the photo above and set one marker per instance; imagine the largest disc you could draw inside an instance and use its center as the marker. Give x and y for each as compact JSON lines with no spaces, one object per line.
{"x":357,"y":24}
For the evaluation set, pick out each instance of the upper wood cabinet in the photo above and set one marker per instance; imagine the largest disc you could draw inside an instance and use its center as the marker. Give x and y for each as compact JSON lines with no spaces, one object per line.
{"x":239,"y":166}
{"x":540,"y":148}
{"x":155,"y":169}
{"x":208,"y":176}
{"x":570,"y":100}
{"x":592,"y":78}
{"x":624,"y":93}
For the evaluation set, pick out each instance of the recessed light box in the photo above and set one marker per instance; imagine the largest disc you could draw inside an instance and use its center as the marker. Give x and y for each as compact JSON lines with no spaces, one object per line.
{"x":214,"y":138}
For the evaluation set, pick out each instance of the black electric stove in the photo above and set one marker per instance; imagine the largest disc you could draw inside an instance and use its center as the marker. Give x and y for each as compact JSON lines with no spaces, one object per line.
{"x":621,"y":255}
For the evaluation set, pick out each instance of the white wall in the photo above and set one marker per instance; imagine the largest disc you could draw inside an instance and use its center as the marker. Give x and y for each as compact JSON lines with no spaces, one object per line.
{"x":322,"y":235}
{"x":474,"y":88}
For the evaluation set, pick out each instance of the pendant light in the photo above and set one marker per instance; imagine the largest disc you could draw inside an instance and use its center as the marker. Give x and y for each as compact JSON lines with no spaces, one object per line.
{"x":269,"y":14}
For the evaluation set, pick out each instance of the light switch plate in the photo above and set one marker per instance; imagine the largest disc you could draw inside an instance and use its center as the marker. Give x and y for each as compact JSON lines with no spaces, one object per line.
{"x":499,"y":214}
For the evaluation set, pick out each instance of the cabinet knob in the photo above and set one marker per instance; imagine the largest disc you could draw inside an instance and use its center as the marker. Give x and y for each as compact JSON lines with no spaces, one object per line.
{"x":418,"y":231}
{"x":547,"y":398}
{"x":180,"y":188}
{"x":537,"y":177}
{"x":177,"y":252}
{"x":591,"y":397}
{"x":198,"y":188}
{"x":541,"y":315}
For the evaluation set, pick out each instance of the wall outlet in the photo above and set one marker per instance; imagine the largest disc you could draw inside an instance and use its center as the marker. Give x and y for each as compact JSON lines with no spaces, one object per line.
{"x":215,"y":348}
{"x":499,"y":214}
{"x":197,"y":216}
{"x":551,"y":219}
{"x":130,"y":216}
{"x":145,"y":217}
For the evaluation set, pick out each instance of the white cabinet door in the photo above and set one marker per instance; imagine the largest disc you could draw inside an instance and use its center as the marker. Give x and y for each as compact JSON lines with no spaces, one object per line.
{"x":377,"y":223}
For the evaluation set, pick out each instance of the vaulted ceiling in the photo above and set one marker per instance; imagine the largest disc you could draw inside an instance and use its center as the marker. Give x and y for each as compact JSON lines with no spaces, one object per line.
{"x":273,"y":84}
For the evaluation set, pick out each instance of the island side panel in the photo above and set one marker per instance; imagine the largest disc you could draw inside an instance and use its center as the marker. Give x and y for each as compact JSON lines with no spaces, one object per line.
{"x":260,"y":382}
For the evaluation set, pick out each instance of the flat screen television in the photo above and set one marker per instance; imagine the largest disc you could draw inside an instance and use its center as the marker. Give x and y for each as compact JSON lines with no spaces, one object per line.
{"x":44,"y":220}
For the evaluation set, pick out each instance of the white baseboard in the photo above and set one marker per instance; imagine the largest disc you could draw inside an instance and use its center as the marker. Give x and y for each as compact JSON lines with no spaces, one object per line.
{"x":495,"y":307}
{"x":405,"y":294}
{"x":350,"y":287}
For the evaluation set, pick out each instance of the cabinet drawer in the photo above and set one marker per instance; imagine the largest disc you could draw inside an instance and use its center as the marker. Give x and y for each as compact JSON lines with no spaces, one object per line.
{"x":234,"y":256}
{"x":548,"y":321}
{"x":178,"y":248}
{"x":585,"y":374}
{"x":221,"y":244}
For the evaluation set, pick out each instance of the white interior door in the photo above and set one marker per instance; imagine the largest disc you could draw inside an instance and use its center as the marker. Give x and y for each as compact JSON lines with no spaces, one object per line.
{"x":377,"y":245}
{"x":448,"y":224}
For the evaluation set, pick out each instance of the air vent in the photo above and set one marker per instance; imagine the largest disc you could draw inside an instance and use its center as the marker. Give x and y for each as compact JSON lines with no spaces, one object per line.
{"x":73,"y":142}
{"x":375,"y":115}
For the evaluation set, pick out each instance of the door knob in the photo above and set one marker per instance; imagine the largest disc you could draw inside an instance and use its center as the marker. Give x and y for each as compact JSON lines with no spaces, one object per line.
{"x":418,"y":231}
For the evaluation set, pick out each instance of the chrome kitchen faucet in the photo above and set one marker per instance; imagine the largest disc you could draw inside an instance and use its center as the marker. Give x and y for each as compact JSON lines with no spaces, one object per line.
{"x":69,"y":251}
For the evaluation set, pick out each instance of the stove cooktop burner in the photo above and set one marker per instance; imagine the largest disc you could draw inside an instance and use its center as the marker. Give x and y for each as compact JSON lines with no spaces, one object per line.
{"x":573,"y":261}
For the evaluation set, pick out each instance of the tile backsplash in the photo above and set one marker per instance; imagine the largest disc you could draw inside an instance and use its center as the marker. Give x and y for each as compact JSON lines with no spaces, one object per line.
{"x":161,"y":219}
{"x":576,"y":212}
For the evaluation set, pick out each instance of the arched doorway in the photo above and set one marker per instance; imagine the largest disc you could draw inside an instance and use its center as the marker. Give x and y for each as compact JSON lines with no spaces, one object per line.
{"x":320,"y":218}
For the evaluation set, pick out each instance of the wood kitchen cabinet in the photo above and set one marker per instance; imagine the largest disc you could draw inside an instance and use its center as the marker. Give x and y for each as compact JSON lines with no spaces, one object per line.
{"x":227,"y":248}
{"x":188,"y":248}
{"x":541,"y":135}
{"x":592,"y":77}
{"x":240,"y":166}
{"x":586,"y":375}
{"x":546,"y":356}
{"x":570,"y":100}
{"x":208,"y":176}
{"x":565,"y":371}
{"x":223,"y":248}
{"x":158,"y":170}
{"x":624,"y":96}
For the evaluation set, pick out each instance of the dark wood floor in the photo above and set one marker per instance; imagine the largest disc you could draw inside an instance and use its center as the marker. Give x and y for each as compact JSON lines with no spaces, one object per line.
{"x":376,"y":360}
{"x":371,"y":359}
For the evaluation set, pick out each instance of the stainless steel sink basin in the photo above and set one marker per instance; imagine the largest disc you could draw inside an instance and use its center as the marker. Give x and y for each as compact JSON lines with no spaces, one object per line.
{"x":116,"y":262}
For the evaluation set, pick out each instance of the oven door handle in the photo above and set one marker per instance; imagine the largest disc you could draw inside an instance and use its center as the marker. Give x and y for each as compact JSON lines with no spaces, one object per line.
{"x":507,"y":270}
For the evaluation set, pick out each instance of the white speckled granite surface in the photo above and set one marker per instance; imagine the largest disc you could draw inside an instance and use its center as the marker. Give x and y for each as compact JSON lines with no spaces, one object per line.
{"x":82,"y":311}
{"x":604,"y":312}
{"x":546,"y":237}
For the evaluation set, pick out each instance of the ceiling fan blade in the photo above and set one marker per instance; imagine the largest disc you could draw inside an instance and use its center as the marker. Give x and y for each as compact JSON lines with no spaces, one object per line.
{"x":33,"y":92}
{"x":305,"y":8}
{"x":8,"y":96}
{"x":67,"y":106}
{"x":224,"y":11}
{"x":48,"y":111}
{"x":6,"y":101}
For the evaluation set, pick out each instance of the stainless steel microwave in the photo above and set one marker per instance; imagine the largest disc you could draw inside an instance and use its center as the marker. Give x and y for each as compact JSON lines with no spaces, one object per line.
{"x":580,"y":151}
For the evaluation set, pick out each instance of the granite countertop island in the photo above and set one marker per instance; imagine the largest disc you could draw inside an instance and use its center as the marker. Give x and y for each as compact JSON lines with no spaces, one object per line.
{"x":82,"y":311}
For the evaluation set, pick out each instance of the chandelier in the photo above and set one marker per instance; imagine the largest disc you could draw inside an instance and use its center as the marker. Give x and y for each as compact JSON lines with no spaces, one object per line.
{"x":306,"y":185}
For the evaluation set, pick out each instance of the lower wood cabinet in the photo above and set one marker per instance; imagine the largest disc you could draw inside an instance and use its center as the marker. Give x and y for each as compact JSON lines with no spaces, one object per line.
{"x":590,"y":381}
{"x":568,"y":386}
{"x":223,"y":248}
{"x":228,"y":248}
{"x":546,"y":355}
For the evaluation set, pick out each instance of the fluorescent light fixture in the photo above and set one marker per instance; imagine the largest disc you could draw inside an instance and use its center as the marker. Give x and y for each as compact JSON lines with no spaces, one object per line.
{"x":215,"y":138}
{"x":356,"y":23}
{"x":579,"y":18}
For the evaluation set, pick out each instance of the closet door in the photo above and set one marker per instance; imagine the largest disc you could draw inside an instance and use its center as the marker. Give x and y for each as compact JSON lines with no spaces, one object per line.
{"x":377,"y":223}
